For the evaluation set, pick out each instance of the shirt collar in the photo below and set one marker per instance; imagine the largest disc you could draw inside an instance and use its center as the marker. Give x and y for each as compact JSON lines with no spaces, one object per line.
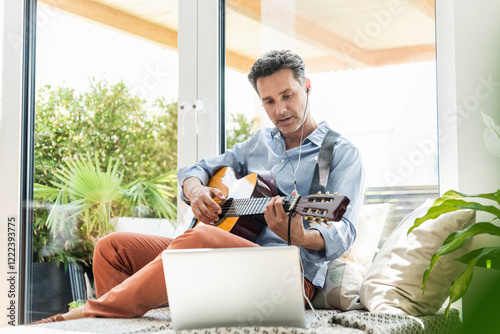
{"x":316,"y":137}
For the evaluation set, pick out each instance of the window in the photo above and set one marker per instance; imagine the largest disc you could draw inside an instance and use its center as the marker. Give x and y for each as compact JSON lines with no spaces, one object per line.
{"x":106,"y":100}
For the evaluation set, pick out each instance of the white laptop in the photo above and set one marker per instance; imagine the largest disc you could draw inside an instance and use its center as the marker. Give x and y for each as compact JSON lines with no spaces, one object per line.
{"x":255,"y":286}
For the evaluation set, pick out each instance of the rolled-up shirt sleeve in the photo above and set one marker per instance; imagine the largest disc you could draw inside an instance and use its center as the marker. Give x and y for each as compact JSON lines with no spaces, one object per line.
{"x":264,"y":154}
{"x":347,"y":178}
{"x":206,"y":168}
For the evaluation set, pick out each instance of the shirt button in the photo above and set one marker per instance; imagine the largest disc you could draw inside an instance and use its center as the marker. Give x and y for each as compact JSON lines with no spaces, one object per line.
{"x":282,"y":160}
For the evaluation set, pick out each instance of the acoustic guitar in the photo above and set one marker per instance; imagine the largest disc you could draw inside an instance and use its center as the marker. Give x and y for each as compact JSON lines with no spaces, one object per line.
{"x":247,"y":197}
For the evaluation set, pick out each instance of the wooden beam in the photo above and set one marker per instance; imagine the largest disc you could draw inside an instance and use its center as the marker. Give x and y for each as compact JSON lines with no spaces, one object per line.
{"x":380,"y":58}
{"x":431,"y":3}
{"x":305,"y":30}
{"x":139,"y":28}
{"x":403,"y":55}
{"x":238,"y":62}
{"x":248,"y":8}
{"x":425,"y":6}
{"x":343,"y":54}
{"x":325,"y":64}
{"x":119,"y":20}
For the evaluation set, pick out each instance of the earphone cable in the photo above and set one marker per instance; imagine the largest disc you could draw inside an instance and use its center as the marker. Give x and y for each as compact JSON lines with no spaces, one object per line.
{"x":294,"y":170}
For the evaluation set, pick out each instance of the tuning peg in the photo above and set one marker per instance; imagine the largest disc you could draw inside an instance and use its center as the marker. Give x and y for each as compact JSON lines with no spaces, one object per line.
{"x":319,"y":193}
{"x":336,"y":193}
{"x":327,"y":193}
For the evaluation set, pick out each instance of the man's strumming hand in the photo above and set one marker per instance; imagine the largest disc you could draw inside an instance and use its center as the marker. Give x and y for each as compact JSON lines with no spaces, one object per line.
{"x":201,"y":198}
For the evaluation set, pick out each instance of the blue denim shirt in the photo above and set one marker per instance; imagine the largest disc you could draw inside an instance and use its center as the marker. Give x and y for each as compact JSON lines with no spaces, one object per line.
{"x":264,"y":155}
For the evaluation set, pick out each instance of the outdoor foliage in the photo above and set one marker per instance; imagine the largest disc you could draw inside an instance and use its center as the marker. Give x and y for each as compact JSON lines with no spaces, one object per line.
{"x":109,"y":125}
{"x":239,"y":129}
{"x":105,"y":121}
{"x":486,"y":257}
{"x":127,"y":143}
{"x":83,"y":198}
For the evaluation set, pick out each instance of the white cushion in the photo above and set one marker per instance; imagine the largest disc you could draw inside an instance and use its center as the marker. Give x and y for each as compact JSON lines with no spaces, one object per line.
{"x":393,"y":284}
{"x":345,"y":274}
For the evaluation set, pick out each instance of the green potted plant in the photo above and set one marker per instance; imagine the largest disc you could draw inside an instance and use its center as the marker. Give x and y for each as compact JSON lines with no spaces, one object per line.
{"x":80,"y":204}
{"x":486,"y":257}
{"x":83,"y":199}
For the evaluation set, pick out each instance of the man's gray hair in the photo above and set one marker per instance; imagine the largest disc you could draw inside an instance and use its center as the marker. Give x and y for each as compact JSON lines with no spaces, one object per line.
{"x":276,"y":60}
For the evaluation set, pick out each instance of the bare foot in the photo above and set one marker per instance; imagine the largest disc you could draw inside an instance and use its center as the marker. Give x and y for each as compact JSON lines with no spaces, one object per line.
{"x":76,"y":313}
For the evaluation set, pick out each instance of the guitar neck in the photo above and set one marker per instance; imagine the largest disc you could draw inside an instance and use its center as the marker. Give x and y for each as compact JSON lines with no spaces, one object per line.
{"x":254,"y":206}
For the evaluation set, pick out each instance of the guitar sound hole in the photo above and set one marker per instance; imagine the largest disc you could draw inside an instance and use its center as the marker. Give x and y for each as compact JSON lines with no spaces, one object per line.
{"x":225,"y":206}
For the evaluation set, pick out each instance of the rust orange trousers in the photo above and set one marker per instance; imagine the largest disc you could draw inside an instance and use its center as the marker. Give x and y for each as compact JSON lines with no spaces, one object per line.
{"x":128,"y":269}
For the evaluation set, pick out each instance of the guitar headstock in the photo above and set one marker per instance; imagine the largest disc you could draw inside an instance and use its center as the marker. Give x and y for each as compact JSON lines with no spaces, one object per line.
{"x":322,"y":208}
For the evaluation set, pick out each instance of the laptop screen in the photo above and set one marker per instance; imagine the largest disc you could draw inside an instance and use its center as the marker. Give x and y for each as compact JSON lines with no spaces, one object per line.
{"x":256,"y":286}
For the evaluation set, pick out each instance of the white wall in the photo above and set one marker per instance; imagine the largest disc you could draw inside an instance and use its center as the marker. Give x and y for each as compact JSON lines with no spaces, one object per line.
{"x":11,"y":15}
{"x":468,"y":58}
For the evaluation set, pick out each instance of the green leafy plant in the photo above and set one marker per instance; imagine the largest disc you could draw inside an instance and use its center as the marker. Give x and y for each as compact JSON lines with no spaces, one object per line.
{"x":84,"y":198}
{"x":108,"y":123}
{"x":147,"y":196}
{"x":239,"y":129}
{"x":76,"y":303}
{"x":486,"y":257}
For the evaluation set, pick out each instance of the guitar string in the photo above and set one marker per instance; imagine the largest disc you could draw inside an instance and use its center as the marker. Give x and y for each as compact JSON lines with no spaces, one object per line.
{"x":236,"y":206}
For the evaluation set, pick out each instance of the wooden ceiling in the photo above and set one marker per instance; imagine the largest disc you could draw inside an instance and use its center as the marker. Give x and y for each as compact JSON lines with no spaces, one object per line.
{"x":330,"y":35}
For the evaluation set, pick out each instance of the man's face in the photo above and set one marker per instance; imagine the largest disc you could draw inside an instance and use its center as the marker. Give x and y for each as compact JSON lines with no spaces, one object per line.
{"x":284,"y":100}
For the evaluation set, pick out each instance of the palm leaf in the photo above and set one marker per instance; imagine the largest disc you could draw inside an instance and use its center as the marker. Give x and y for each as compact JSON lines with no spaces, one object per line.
{"x":84,"y":179}
{"x":156,"y":194}
{"x":63,"y":212}
{"x":85,"y":196}
{"x":41,"y":191}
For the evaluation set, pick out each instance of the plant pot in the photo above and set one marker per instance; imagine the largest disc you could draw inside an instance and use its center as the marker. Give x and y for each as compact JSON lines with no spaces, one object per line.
{"x":53,"y":288}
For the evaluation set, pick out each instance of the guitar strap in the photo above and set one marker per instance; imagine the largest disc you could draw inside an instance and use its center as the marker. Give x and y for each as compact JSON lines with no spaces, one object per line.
{"x":322,"y":169}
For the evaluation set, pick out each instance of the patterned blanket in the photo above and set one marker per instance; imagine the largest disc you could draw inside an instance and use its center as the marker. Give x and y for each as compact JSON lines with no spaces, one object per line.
{"x":322,"y":321}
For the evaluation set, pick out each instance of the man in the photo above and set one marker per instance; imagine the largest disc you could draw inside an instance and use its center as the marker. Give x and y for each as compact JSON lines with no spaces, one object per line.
{"x":127,"y":267}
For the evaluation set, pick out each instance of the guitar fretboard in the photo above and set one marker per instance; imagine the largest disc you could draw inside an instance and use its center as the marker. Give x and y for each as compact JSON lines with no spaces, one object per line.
{"x":253,"y":206}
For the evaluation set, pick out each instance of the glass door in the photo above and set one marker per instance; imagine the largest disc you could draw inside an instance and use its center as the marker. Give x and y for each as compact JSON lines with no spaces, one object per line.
{"x":105,"y":136}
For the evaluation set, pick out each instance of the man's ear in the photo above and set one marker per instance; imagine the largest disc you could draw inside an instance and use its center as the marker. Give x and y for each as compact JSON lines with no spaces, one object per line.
{"x":308,"y":85}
